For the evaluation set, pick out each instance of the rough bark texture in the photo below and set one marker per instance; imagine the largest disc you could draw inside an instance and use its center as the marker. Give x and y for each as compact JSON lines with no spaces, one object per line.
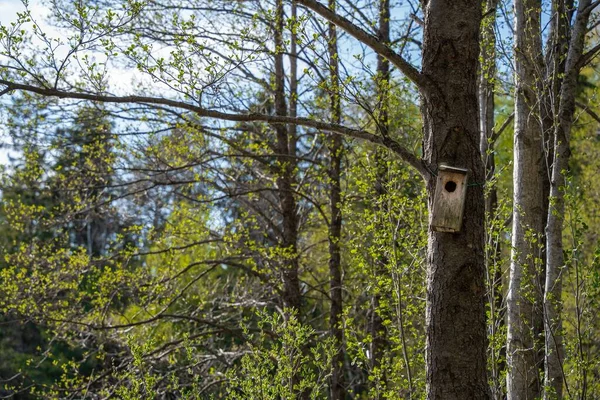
{"x":456,"y":328}
{"x":337,"y":384}
{"x":555,"y":256}
{"x":524,"y":296}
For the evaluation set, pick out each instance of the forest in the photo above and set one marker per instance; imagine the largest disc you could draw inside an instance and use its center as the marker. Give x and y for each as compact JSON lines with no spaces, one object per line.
{"x":300,"y":199}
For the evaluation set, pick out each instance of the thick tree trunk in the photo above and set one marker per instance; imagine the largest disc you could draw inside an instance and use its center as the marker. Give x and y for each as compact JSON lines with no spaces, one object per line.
{"x":456,"y":327}
{"x":524,"y":297}
{"x":337,"y":384}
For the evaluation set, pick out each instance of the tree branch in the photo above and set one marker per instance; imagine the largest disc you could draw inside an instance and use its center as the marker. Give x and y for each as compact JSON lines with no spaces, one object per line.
{"x":593,"y":5}
{"x":585,"y":108}
{"x":418,"y":20}
{"x":587,"y":57}
{"x":422,"y":82}
{"x":505,"y":124}
{"x":396,"y":147}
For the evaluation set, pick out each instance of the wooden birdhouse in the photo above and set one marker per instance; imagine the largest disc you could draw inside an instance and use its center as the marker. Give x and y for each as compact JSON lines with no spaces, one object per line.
{"x":449,"y":199}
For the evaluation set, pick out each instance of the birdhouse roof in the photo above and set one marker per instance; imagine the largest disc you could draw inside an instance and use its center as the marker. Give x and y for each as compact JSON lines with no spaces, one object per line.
{"x":444,"y":167}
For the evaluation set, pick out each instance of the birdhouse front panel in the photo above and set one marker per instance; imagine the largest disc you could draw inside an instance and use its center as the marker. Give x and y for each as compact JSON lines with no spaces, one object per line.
{"x":449,"y":199}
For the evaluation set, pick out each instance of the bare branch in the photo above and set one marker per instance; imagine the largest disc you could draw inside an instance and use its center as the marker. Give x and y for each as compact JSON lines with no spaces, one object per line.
{"x":505,"y":124}
{"x":418,"y":20}
{"x":396,"y":147}
{"x":587,"y":109}
{"x":593,"y":5}
{"x":422,"y":82}
{"x":587,"y":57}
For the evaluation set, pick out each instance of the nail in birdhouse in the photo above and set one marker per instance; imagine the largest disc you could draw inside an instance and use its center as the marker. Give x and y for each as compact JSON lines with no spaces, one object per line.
{"x":449,"y":199}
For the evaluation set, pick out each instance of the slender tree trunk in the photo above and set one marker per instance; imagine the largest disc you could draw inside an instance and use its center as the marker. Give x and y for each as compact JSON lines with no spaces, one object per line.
{"x":286,"y":151}
{"x":556,"y":52}
{"x":376,"y":327}
{"x":293,"y":128}
{"x":337,"y":384}
{"x":486,"y":124}
{"x":555,"y":255}
{"x":456,"y":327}
{"x":524,"y":297}
{"x":554,"y":347}
{"x":285,"y":181}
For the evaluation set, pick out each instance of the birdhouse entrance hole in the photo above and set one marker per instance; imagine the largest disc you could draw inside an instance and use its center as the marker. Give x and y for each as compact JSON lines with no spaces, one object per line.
{"x":449,"y":199}
{"x":450,"y":186}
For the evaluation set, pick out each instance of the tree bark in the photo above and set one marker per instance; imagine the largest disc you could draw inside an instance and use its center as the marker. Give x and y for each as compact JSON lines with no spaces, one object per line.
{"x":337,"y":384}
{"x":456,"y":327}
{"x":524,"y":296}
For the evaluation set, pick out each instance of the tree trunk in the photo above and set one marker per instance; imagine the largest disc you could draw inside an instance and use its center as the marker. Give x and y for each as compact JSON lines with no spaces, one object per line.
{"x":557,"y":48}
{"x":285,"y":180}
{"x":337,"y":384}
{"x":555,"y":255}
{"x":554,"y":347}
{"x":456,"y":327}
{"x":556,"y":51}
{"x":376,"y":328}
{"x":524,"y":297}
{"x":486,"y":123}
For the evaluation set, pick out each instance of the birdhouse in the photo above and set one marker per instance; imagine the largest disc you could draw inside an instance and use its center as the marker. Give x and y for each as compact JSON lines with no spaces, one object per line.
{"x":449,"y":199}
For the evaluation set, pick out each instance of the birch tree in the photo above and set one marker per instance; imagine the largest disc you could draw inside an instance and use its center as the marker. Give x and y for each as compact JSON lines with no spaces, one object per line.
{"x":524,"y":292}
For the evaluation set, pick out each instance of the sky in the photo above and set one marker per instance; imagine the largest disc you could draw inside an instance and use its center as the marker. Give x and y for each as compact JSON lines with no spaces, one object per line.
{"x":8,"y":14}
{"x":121,"y":80}
{"x":9,"y":9}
